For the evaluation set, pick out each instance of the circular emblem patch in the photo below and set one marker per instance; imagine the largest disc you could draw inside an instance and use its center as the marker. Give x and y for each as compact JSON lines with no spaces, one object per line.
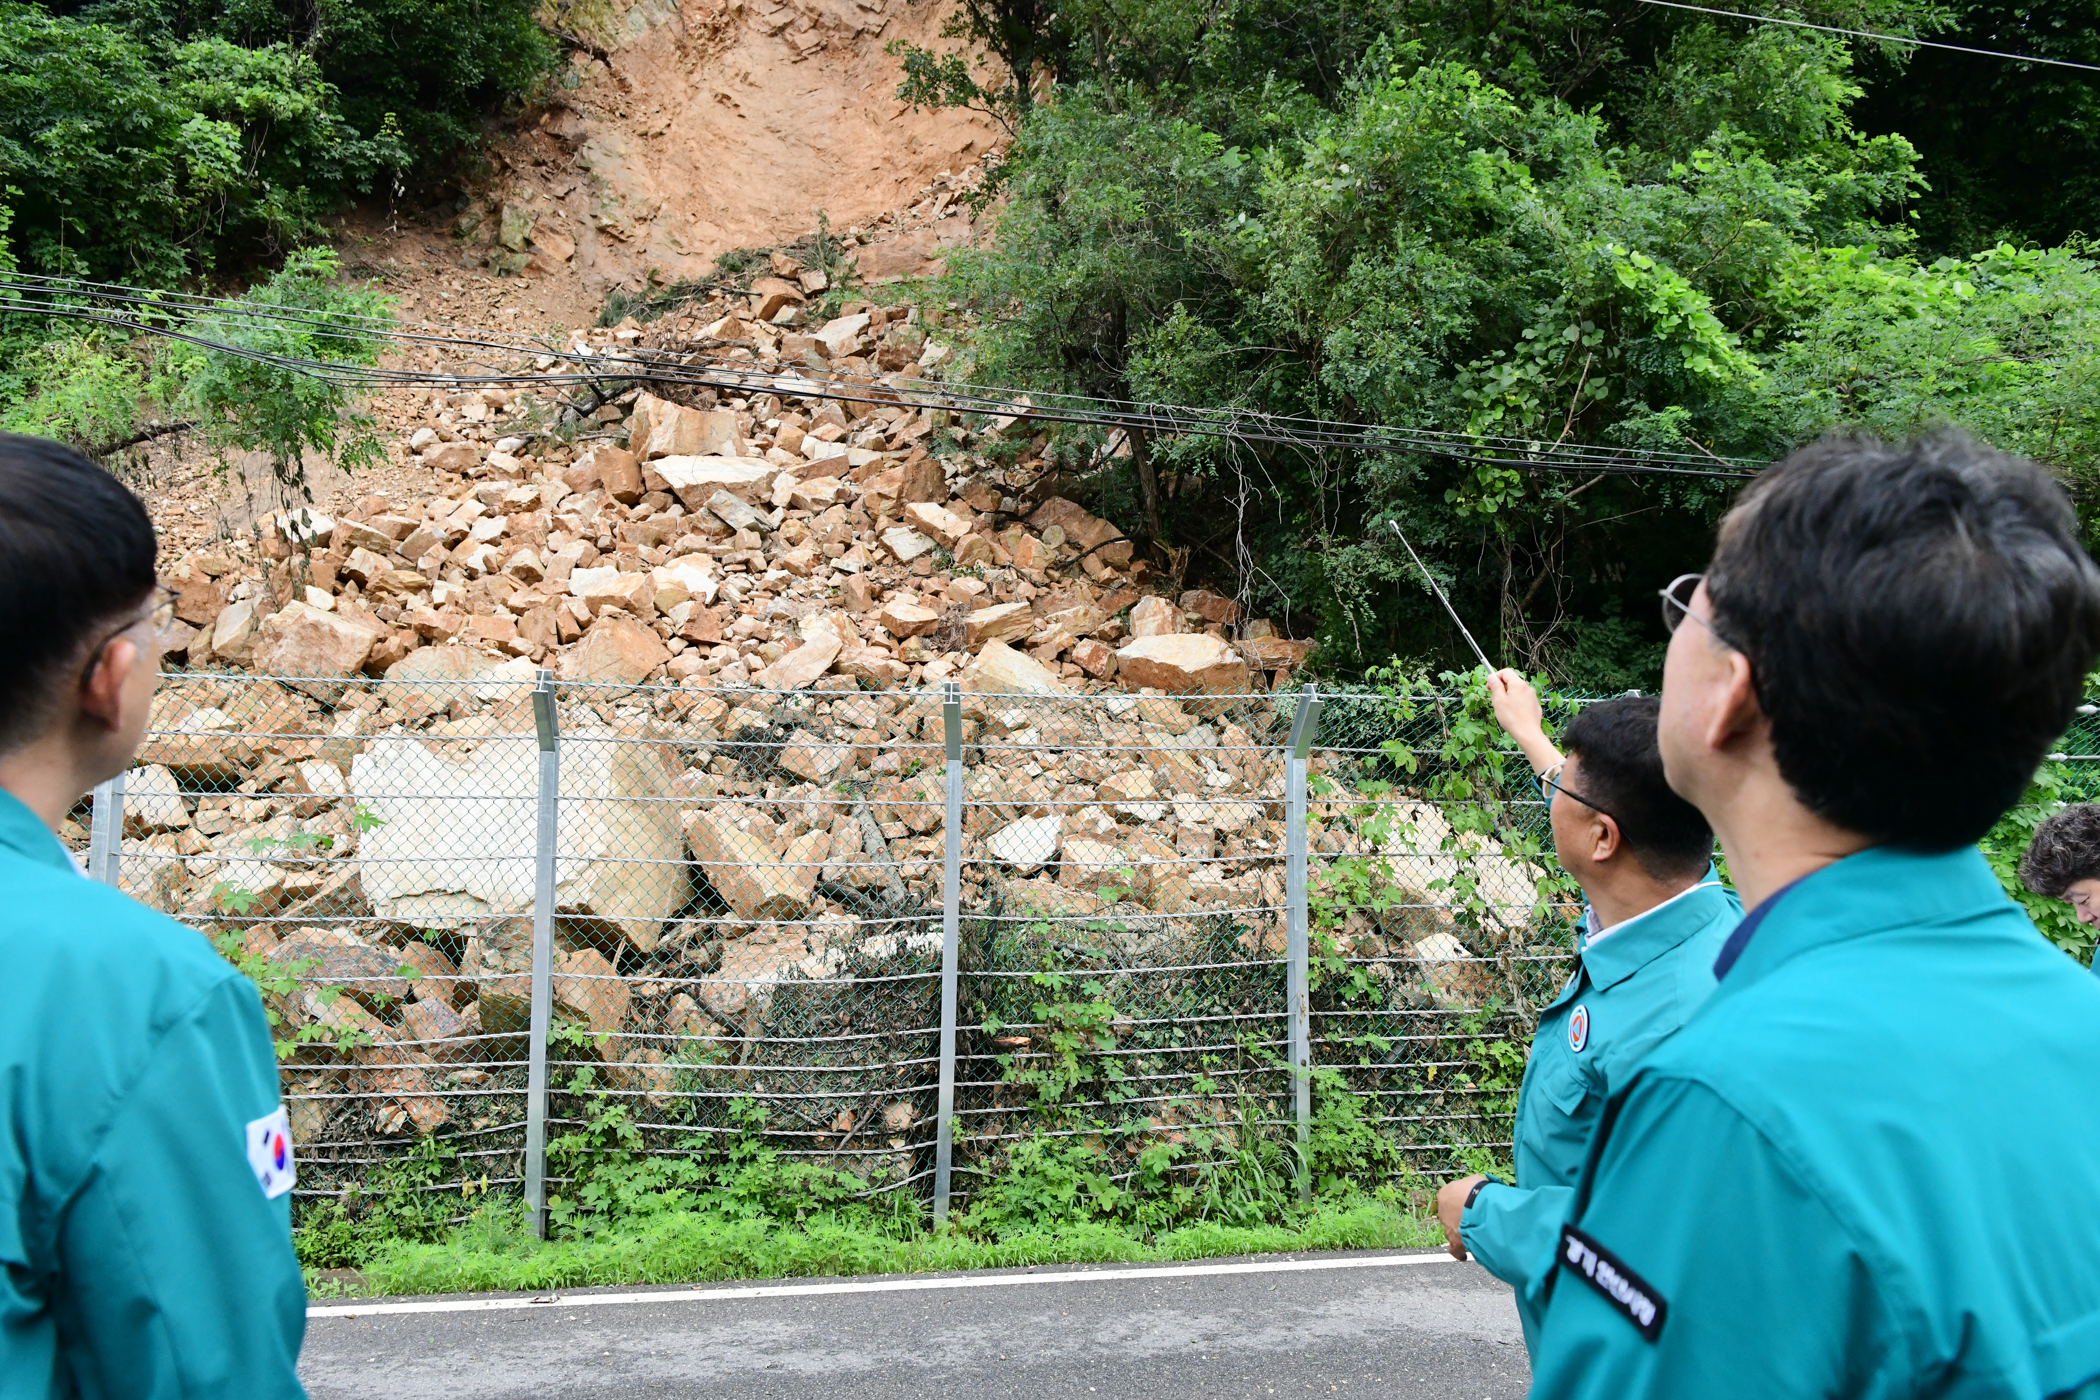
{"x":1579,"y":1029}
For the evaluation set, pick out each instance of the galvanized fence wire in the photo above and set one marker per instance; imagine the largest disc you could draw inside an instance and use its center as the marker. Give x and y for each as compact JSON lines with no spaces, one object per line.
{"x":1439,"y":926}
{"x":1122,"y":898}
{"x":751,"y":898}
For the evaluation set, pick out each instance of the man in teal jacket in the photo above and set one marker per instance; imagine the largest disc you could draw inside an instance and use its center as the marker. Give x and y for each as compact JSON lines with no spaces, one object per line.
{"x":1656,"y":918}
{"x":144,"y":1155}
{"x":2063,"y":862}
{"x":1870,"y":1165}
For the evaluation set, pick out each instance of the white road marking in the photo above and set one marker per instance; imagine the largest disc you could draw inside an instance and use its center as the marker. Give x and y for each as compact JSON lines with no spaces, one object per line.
{"x":703,"y":1294}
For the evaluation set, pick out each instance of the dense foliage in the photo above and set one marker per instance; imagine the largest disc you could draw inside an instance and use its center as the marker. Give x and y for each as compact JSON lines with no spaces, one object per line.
{"x":196,"y":143}
{"x":145,"y":142}
{"x":1615,"y":225}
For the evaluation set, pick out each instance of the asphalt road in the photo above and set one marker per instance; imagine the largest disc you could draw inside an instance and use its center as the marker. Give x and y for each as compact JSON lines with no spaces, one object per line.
{"x":1339,"y":1324}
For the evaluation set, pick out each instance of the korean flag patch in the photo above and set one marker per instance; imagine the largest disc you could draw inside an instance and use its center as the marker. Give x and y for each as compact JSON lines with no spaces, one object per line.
{"x":270,"y":1153}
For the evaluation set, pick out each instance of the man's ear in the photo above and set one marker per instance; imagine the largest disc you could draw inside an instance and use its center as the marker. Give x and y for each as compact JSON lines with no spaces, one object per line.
{"x":1605,"y":838}
{"x":1739,"y":715}
{"x":102,"y":694}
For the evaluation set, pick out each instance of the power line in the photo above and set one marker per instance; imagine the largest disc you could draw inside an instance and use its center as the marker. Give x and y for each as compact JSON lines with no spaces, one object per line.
{"x":143,"y":311}
{"x":1869,"y":34}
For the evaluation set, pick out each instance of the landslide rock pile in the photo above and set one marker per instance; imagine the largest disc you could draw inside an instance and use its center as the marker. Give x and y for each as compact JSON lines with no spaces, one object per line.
{"x":764,"y":541}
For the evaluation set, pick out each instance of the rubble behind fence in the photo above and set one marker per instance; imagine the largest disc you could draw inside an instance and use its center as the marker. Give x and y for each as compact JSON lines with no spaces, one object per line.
{"x":768,"y":899}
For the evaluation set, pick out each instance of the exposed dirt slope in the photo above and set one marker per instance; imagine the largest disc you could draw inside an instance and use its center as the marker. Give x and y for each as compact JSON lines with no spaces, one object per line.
{"x":714,"y":126}
{"x":717,"y":124}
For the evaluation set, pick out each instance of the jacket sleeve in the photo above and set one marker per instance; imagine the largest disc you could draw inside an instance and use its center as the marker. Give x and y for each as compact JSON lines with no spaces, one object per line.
{"x":1513,"y":1231}
{"x":1762,"y":1291}
{"x":176,"y":1273}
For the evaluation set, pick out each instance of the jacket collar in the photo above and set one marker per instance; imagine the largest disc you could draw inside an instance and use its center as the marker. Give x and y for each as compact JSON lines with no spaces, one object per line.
{"x":1875,"y":890}
{"x":25,"y":835}
{"x":1630,"y":946}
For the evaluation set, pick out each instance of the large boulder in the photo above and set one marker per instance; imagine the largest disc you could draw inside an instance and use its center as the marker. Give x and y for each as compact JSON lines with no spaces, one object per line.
{"x":335,"y":957}
{"x":1002,"y":622}
{"x":617,"y":650}
{"x":1154,"y":616}
{"x":1083,"y":529}
{"x":695,"y":479}
{"x":660,"y":429}
{"x":456,"y":837}
{"x":1182,"y":663}
{"x":153,"y":801}
{"x":303,"y":641}
{"x":1000,"y":670}
{"x":433,"y":677}
{"x":233,"y":632}
{"x":939,"y":522}
{"x":742,"y":986}
{"x":1028,"y":844}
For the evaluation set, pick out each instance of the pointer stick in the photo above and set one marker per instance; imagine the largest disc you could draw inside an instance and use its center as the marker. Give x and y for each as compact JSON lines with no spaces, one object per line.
{"x":1434,"y":588}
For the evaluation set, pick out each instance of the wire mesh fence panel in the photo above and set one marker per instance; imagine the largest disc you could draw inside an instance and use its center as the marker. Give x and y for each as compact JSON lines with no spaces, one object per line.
{"x":1439,"y":923}
{"x":745,"y":934}
{"x":758,"y":924}
{"x":1122,"y":916}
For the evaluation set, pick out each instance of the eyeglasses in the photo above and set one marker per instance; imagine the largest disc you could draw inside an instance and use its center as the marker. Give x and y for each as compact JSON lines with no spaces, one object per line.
{"x":1677,"y":606}
{"x":159,"y":615}
{"x":1550,"y":780}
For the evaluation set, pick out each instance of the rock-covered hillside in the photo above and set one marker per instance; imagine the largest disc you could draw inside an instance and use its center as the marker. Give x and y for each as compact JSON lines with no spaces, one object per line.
{"x":766,"y":541}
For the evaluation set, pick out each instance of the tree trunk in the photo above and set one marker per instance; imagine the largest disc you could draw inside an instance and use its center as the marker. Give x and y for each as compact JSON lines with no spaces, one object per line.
{"x":1148,"y":481}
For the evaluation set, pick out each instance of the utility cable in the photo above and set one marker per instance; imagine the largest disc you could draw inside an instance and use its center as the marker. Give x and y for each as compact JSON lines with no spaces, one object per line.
{"x":143,"y":311}
{"x":1883,"y":38}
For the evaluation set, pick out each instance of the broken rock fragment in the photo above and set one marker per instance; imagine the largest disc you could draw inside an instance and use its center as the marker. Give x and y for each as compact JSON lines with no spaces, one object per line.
{"x":695,"y":480}
{"x":1000,"y":670}
{"x":744,"y":867}
{"x":617,"y":649}
{"x":1182,"y":663}
{"x":798,"y":669}
{"x":302,"y":640}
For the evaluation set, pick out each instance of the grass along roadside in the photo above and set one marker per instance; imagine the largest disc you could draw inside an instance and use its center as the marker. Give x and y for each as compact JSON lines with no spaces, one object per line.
{"x":493,"y":1252}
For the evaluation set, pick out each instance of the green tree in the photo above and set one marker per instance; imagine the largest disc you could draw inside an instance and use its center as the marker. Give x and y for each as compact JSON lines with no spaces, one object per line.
{"x":1609,"y":226}
{"x":248,"y":396}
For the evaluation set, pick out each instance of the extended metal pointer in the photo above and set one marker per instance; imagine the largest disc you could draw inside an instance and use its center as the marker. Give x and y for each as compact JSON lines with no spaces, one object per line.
{"x":1436,"y":589}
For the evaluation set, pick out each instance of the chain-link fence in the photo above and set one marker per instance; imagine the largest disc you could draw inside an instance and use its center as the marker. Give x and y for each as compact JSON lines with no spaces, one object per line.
{"x":915,"y":929}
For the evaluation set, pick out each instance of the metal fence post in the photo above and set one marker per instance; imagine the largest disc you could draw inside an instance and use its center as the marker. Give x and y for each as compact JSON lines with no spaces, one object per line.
{"x":951,"y":948}
{"x":105,"y":860}
{"x":547,"y":722}
{"x":1297,"y":947}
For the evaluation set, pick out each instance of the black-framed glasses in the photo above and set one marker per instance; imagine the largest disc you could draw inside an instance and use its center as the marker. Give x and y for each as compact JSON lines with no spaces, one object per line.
{"x":1677,"y":606}
{"x":1550,"y":781}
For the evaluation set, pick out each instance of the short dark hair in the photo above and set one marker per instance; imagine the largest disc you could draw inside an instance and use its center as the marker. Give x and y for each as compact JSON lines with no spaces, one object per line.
{"x":1918,"y":618}
{"x":2065,"y":850}
{"x":76,"y":553}
{"x":1622,"y":772}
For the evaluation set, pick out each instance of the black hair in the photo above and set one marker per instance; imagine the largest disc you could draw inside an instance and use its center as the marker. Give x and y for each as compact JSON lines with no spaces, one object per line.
{"x":2065,"y":850}
{"x":76,"y":554}
{"x":1622,"y":772}
{"x":1918,"y":619}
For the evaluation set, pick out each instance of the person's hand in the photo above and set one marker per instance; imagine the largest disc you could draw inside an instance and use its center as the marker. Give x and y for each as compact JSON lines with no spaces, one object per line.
{"x":1518,"y":711}
{"x":1451,"y":1208}
{"x":1517,"y":707}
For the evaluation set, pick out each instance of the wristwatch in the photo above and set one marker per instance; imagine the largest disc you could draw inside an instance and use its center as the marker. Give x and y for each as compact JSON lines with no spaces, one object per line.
{"x":1474,"y":1194}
